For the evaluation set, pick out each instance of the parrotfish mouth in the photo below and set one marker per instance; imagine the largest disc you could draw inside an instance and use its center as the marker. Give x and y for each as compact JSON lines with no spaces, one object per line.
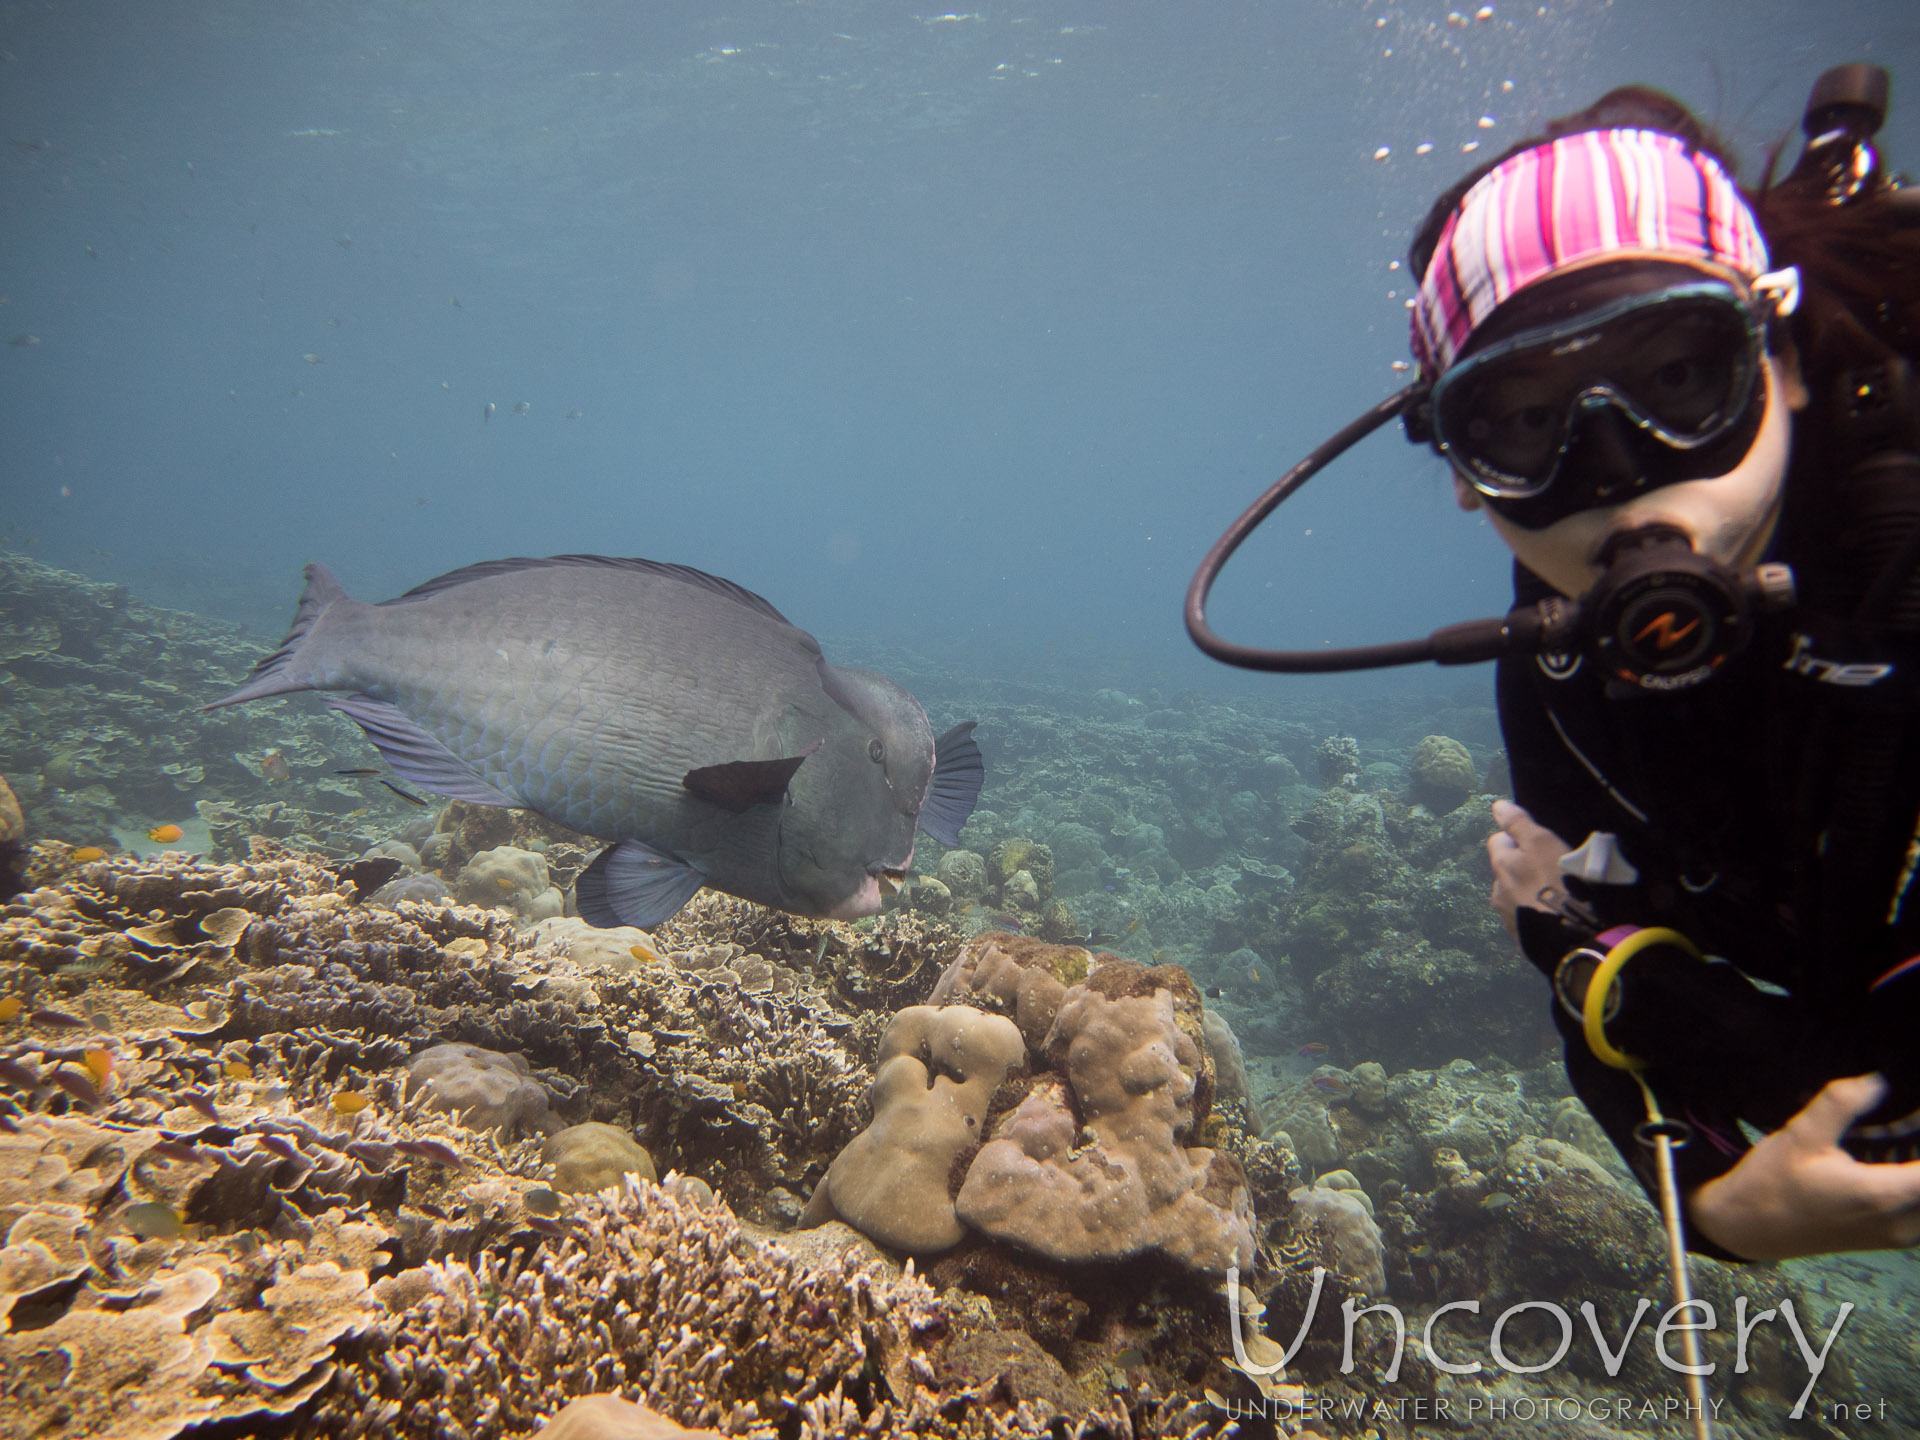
{"x":881,"y":882}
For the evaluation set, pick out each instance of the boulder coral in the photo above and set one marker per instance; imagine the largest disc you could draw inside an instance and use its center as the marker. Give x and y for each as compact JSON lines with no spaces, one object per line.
{"x":592,"y":1155}
{"x":1340,"y":1223}
{"x":1443,"y":776}
{"x":1015,"y":975}
{"x":486,"y":1089}
{"x":1091,"y":1164}
{"x":1091,"y":1159}
{"x":936,"y":1074}
{"x":509,"y":876}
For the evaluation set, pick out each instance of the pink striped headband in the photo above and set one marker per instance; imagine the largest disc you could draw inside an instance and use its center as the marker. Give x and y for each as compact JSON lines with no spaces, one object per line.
{"x":1578,"y":198}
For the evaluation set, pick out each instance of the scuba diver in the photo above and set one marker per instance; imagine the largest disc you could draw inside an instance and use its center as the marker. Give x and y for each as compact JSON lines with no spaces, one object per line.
{"x":1690,"y":411}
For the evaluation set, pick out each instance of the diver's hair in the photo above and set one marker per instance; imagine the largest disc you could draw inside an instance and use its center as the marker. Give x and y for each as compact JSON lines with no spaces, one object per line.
{"x":1859,"y":267}
{"x":1859,"y":273}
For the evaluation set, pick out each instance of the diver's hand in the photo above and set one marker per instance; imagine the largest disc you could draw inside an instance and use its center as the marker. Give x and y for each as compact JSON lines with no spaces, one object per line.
{"x":1526,"y":860}
{"x":1798,"y":1193}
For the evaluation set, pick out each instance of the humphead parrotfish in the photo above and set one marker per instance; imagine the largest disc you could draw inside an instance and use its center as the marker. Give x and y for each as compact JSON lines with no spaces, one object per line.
{"x":652,"y":705}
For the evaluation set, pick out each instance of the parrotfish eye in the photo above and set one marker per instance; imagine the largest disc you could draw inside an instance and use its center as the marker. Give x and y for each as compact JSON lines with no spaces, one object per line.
{"x":876,"y":752}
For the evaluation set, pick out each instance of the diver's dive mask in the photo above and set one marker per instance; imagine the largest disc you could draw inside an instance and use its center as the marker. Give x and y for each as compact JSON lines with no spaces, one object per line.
{"x":1645,"y":391}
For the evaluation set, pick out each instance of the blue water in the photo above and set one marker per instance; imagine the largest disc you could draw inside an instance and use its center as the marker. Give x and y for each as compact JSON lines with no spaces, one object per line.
{"x":963,"y":330}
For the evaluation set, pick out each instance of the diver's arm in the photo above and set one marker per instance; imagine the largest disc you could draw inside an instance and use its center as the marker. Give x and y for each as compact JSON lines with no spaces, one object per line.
{"x":1798,"y":1193}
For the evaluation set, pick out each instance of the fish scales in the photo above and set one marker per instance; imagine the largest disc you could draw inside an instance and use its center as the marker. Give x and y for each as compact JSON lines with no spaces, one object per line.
{"x":646,"y":704}
{"x":577,"y":728}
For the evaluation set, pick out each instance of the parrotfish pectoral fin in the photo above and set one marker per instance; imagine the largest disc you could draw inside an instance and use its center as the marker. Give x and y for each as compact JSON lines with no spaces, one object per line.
{"x":275,"y":674}
{"x":739,"y":785}
{"x":415,"y":755}
{"x":633,"y":884}
{"x":959,"y":770}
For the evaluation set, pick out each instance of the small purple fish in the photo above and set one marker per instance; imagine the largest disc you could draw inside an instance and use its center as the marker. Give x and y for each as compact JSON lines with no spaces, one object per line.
{"x":432,"y":1151}
{"x":14,"y":1073}
{"x":76,"y":1083}
{"x":1332,"y":1085}
{"x":59,"y":1019}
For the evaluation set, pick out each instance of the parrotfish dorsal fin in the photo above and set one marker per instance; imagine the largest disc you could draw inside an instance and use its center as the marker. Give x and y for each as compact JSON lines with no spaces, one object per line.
{"x":683,"y":573}
{"x":739,"y":785}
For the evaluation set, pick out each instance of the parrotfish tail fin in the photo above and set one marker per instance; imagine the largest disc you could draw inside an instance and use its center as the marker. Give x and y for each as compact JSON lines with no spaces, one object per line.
{"x":417,"y":756}
{"x":633,"y":884}
{"x":959,"y":770}
{"x":277,"y":674}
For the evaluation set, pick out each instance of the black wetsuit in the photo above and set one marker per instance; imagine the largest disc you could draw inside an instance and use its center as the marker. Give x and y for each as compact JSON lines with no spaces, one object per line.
{"x":1771,"y":814}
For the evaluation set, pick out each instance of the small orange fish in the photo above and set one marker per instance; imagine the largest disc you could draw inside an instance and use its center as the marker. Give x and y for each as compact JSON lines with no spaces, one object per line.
{"x":165,"y":834}
{"x":1132,"y":925}
{"x":274,"y":766}
{"x":100,"y":1065}
{"x":1253,"y":974}
{"x":503,"y":882}
{"x":1313,"y":1047}
{"x":643,"y":954}
{"x":350,"y":1102}
{"x":10,"y":1008}
{"x":86,"y":853}
{"x":237,"y":1070}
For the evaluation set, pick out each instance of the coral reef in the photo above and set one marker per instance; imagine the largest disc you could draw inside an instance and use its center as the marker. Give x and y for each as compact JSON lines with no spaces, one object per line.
{"x":226,"y":1197}
{"x":1389,"y":932}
